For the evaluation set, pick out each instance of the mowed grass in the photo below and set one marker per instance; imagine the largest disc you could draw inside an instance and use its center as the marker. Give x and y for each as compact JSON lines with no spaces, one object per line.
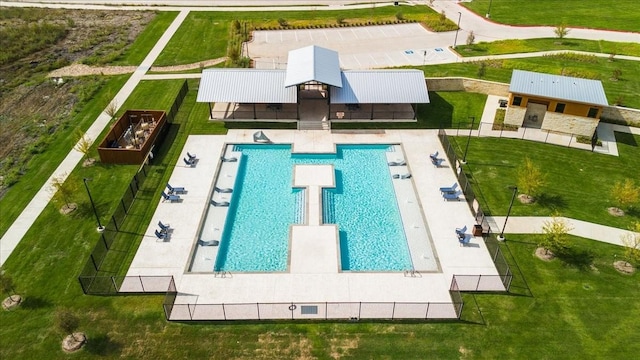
{"x":445,"y":110}
{"x":596,"y":14}
{"x":204,"y":35}
{"x":624,"y":90}
{"x":578,"y":184}
{"x":514,"y":46}
{"x":140,"y":48}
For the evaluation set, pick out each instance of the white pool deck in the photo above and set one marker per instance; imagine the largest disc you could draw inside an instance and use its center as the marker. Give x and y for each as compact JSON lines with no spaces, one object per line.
{"x":313,"y":274}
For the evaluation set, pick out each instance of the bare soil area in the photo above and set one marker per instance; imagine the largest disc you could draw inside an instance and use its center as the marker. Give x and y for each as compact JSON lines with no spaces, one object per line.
{"x":32,"y":107}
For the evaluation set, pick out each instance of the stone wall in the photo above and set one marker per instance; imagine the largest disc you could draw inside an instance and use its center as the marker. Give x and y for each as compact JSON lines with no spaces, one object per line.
{"x":571,"y":124}
{"x":621,"y":115}
{"x":514,"y":115}
{"x":469,"y":85}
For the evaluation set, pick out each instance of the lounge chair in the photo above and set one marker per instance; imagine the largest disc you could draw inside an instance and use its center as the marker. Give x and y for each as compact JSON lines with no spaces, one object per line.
{"x":462,"y":230}
{"x":405,"y":176}
{"x":164,"y":228}
{"x":260,"y":137}
{"x":221,"y":204}
{"x":208,"y":243}
{"x":436,"y":162}
{"x":395,"y":176}
{"x":190,"y":163}
{"x":451,"y":196}
{"x":230,"y":159}
{"x":175,"y":190}
{"x":434,"y":155}
{"x":463,"y":239}
{"x":451,"y":189}
{"x":223,"y":190}
{"x":161,"y":235}
{"x":171,"y":198}
{"x":191,"y":157}
{"x":397,"y":163}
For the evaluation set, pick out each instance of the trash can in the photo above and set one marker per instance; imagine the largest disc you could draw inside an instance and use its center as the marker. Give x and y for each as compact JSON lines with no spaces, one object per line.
{"x":477,"y":230}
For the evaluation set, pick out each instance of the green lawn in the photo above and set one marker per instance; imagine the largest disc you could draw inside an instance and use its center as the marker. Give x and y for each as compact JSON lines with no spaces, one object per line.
{"x":624,"y":90}
{"x":578,"y":182}
{"x":597,"y":14}
{"x":140,"y":48}
{"x":533,"y":45}
{"x":204,"y":35}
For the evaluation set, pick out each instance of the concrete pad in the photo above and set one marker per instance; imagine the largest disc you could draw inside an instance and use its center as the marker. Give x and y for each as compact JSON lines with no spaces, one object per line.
{"x":314,"y":250}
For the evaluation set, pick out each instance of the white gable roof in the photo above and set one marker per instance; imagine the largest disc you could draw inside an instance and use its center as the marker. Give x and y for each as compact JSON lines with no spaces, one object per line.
{"x":313,"y":63}
{"x":245,"y":86}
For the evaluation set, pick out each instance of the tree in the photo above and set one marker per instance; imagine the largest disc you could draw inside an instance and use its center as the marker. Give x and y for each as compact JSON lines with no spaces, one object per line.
{"x":471,"y":38}
{"x":443,"y":17}
{"x":68,"y":322}
{"x":6,"y":285}
{"x":112,"y":109}
{"x":631,"y":242}
{"x":615,"y":74}
{"x":555,"y":233}
{"x":83,"y":143}
{"x":530,"y":178}
{"x":482,"y":70}
{"x":64,"y":192}
{"x":561,"y":31}
{"x":625,"y":194}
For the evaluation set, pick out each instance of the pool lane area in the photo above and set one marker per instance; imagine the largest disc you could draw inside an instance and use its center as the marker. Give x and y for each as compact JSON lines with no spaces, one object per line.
{"x":310,"y":277}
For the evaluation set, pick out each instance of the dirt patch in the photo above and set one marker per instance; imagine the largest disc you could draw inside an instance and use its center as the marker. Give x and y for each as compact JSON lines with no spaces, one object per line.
{"x":614,"y":211}
{"x":624,"y":267}
{"x":72,"y":343}
{"x":88,"y":162}
{"x":341,"y":346}
{"x":11,"y":302}
{"x":544,"y":254}
{"x":526,"y":199}
{"x":67,"y":209}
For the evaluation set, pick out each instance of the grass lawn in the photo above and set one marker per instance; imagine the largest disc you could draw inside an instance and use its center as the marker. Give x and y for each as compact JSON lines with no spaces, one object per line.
{"x":204,"y":35}
{"x":140,"y":48}
{"x":445,"y":110}
{"x":578,"y":185}
{"x":624,"y":90}
{"x":596,"y":14}
{"x":533,"y":45}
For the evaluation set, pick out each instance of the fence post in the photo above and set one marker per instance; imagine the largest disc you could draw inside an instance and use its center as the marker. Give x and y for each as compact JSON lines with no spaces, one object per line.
{"x":95,"y":266}
{"x":124,"y":207}
{"x":258,"y":310}
{"x":393,"y":311}
{"x":104,"y":241}
{"x":115,"y":286}
{"x":360,"y":310}
{"x":115,"y":223}
{"x":478,"y":283}
{"x":224,"y":313}
{"x":426,"y":313}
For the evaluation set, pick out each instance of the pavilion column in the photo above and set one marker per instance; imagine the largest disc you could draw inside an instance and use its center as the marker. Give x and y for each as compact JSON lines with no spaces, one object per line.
{"x":210,"y":112}
{"x":372,"y":105}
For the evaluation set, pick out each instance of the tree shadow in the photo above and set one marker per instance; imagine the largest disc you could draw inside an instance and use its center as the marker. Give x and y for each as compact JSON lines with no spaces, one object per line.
{"x":577,"y":258}
{"x":34,"y":302}
{"x":551,"y":201}
{"x":626,"y":138}
{"x":103,"y":345}
{"x":438,"y":113}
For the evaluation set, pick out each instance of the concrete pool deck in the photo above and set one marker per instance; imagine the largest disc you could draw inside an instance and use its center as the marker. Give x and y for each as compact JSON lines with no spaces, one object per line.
{"x":173,"y":256}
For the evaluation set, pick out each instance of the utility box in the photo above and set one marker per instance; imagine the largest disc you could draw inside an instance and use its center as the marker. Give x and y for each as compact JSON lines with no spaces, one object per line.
{"x":477,"y":230}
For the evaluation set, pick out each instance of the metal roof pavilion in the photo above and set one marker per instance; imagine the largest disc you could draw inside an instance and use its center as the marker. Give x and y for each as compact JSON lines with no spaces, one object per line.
{"x":381,"y":87}
{"x":558,"y":87}
{"x":313,"y":63}
{"x":245,"y":86}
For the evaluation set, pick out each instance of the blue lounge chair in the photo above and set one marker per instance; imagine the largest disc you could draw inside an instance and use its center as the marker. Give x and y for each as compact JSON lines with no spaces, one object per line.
{"x":436,"y":162}
{"x":230,"y":159}
{"x":223,"y":190}
{"x":163,"y":228}
{"x":221,"y":204}
{"x":462,"y":230}
{"x":161,"y":235}
{"x":191,"y":157}
{"x":171,"y":198}
{"x":463,"y":239}
{"x":434,"y":156}
{"x":451,"y":189}
{"x":208,"y":242}
{"x":451,"y":196}
{"x":190,"y":163}
{"x":175,"y":190}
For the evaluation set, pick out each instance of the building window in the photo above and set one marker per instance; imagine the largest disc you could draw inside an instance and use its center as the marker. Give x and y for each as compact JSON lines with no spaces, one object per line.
{"x":560,"y":108}
{"x":593,"y":112}
{"x":517,"y":100}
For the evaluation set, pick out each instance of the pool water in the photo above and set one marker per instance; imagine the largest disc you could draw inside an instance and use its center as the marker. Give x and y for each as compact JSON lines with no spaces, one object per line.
{"x":264,"y":205}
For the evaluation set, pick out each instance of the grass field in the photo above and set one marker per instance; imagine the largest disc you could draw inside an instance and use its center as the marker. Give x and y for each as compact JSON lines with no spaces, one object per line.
{"x":204,"y":35}
{"x":623,"y":91}
{"x":533,"y":45}
{"x":135,"y":53}
{"x":590,"y":175}
{"x":596,"y":14}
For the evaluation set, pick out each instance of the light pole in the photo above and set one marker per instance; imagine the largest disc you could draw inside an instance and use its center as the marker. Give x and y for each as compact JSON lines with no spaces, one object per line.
{"x":513,"y":197}
{"x":100,"y":227}
{"x":489,"y":10}
{"x":464,"y":158}
{"x":458,"y":29}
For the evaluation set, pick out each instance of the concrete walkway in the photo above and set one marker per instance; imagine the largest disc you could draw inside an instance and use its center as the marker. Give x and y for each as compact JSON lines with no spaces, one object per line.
{"x":29,"y":215}
{"x":534,"y":224}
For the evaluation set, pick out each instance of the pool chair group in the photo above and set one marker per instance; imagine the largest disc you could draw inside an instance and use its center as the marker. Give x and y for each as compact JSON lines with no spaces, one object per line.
{"x":450,"y":192}
{"x":190,"y":160}
{"x":163,"y":233}
{"x":435,"y":161}
{"x":461,"y":235}
{"x":172,"y":193}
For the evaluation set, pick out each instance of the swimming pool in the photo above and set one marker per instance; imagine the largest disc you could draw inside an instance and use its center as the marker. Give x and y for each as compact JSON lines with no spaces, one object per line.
{"x":363,"y":205}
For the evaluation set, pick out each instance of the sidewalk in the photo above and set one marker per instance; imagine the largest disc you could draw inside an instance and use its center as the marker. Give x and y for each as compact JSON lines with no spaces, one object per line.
{"x":533,"y":225}
{"x":23,"y":223}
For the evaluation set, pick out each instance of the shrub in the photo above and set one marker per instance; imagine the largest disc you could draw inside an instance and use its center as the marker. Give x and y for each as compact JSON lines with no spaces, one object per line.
{"x":399,"y":15}
{"x":631,"y":242}
{"x":625,"y":194}
{"x":530,"y":178}
{"x":561,"y":31}
{"x":282,"y":22}
{"x":555,"y":233}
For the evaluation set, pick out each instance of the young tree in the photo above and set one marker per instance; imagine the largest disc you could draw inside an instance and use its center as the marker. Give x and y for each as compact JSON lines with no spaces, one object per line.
{"x":112,"y":109}
{"x":67,"y":322}
{"x":615,"y":74}
{"x":64,"y":192}
{"x":530,"y":178}
{"x":83,"y":144}
{"x":625,"y":194}
{"x":631,"y":242}
{"x":555,"y":233}
{"x":471,"y":38}
{"x":6,"y":285}
{"x":443,"y":17}
{"x":482,"y":70}
{"x":561,"y":31}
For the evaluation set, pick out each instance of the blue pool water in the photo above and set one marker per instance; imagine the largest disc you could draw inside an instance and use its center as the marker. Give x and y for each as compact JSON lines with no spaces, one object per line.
{"x":264,"y":205}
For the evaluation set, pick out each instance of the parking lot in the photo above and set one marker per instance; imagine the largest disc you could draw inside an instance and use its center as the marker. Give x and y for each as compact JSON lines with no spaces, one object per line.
{"x":359,"y":47}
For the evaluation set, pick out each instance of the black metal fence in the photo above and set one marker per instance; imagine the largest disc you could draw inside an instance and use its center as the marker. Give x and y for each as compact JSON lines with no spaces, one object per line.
{"x":91,"y":281}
